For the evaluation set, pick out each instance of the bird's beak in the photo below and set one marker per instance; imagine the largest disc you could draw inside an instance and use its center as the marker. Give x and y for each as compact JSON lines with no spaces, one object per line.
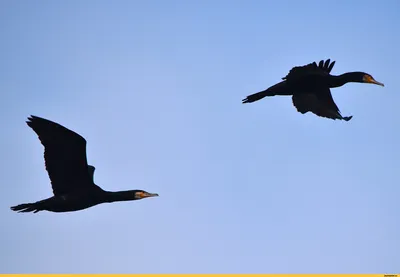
{"x":151,"y":195}
{"x":373,"y":81}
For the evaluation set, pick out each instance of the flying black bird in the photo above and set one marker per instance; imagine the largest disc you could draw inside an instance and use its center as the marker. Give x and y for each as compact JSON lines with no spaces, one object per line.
{"x":310,"y":87}
{"x":70,"y":175}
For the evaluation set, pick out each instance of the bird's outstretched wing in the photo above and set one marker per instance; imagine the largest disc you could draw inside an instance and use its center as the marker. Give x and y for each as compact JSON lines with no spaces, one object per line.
{"x":64,"y":155}
{"x":321,"y":104}
{"x":299,"y":72}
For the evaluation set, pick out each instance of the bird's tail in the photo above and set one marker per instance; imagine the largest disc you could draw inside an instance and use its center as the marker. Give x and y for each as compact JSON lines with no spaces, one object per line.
{"x":28,"y":207}
{"x":256,"y":96}
{"x":278,"y":89}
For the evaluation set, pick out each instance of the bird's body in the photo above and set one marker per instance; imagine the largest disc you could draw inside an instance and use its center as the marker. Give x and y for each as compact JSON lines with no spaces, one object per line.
{"x":310,"y":85}
{"x":71,"y":177}
{"x":66,"y":203}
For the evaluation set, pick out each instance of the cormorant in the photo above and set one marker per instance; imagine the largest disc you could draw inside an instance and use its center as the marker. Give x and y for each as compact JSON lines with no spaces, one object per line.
{"x":310,"y":87}
{"x":70,"y":175}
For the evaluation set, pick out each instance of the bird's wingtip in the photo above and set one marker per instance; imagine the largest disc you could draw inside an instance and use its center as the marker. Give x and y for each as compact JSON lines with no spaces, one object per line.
{"x":31,"y":118}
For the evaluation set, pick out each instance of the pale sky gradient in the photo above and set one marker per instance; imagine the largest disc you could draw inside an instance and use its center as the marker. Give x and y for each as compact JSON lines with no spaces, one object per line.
{"x":155,"y":87}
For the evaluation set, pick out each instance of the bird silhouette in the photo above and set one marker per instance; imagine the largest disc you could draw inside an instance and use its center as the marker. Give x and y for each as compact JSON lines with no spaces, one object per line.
{"x":70,"y":175}
{"x":310,"y":85}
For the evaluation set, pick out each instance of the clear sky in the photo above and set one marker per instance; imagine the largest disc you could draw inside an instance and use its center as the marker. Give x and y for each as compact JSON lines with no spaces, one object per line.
{"x":155,"y":87}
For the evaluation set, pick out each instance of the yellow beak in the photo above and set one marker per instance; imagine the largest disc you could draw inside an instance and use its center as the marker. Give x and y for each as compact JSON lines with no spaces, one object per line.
{"x":369,"y":79}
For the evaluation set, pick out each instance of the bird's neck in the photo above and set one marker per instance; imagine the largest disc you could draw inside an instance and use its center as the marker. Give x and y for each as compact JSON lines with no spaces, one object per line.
{"x":340,"y":80}
{"x":115,"y":196}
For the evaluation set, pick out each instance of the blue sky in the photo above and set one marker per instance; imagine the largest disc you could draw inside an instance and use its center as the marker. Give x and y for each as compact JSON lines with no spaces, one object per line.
{"x":155,"y":87}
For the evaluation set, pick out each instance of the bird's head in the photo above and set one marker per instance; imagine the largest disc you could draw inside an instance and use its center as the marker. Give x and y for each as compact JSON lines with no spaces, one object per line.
{"x":140,"y":194}
{"x":367,"y":78}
